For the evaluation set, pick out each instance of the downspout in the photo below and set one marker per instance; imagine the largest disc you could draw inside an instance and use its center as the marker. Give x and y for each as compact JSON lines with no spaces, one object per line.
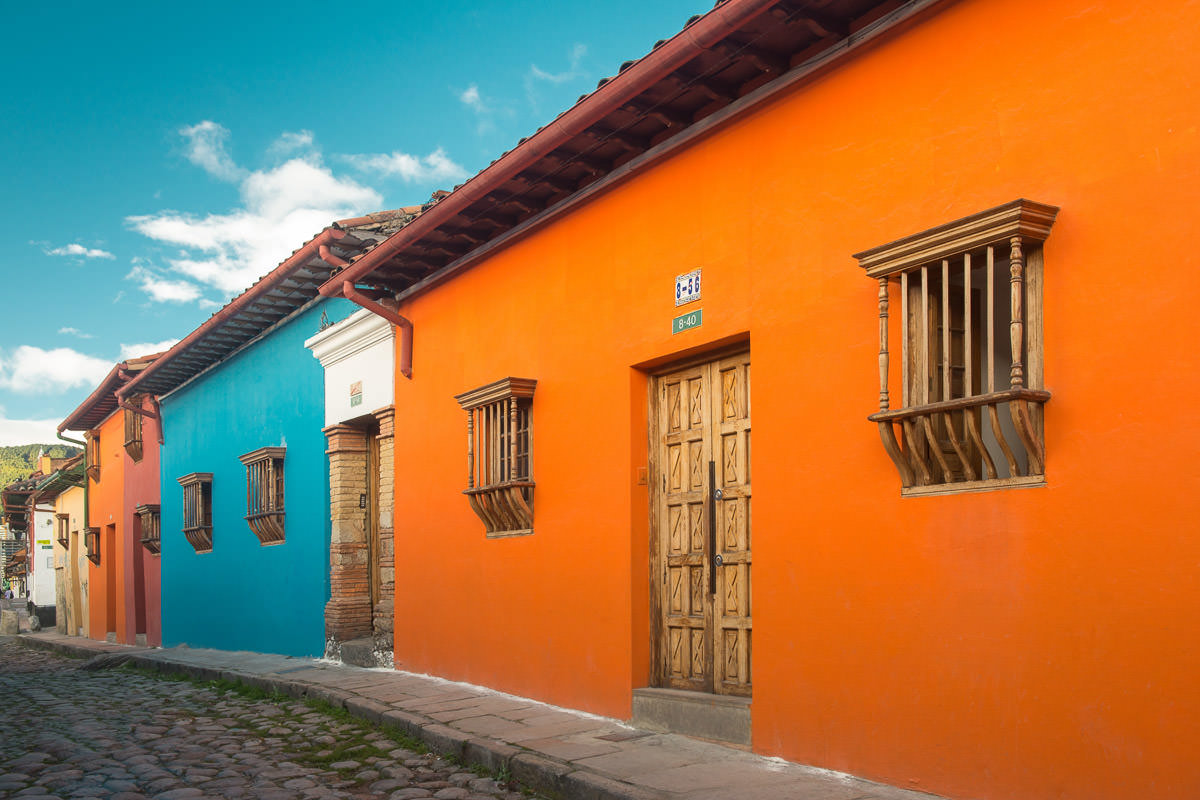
{"x":125,"y":404}
{"x":405,"y":326}
{"x":260,"y":288}
{"x":360,"y":299}
{"x":158,"y":416}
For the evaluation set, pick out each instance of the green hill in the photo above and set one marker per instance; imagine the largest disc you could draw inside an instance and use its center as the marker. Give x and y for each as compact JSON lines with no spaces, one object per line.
{"x":17,"y":461}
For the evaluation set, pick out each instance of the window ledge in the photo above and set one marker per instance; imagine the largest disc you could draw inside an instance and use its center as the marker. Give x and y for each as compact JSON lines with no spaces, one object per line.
{"x":200,"y":539}
{"x":505,"y":508}
{"x":267,"y":526}
{"x":968,"y":463}
{"x":968,"y":487}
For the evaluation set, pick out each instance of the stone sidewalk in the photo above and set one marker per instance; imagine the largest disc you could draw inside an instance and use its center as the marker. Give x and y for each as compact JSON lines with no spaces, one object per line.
{"x":556,"y":752}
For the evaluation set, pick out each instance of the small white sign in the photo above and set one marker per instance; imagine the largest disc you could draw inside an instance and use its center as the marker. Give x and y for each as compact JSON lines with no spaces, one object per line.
{"x":687,"y":287}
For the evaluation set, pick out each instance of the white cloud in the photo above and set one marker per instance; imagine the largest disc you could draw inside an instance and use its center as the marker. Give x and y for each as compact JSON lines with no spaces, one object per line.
{"x":33,"y":370}
{"x":76,"y":332}
{"x":290,"y":142}
{"x":27,"y":431}
{"x":79,"y":251}
{"x":282,"y":207}
{"x":433,"y":168}
{"x":538,"y":75}
{"x":206,"y":148}
{"x":146,"y":348}
{"x":164,"y":290}
{"x":483,"y":109}
{"x":471,"y":98}
{"x":578,"y":51}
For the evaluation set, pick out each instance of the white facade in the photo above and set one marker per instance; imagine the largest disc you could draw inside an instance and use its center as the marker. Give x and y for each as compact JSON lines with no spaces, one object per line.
{"x":42,"y":579}
{"x":359,"y":357}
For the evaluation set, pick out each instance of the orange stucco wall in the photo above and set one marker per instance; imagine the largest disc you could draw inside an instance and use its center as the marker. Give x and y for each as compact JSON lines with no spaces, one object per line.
{"x":106,"y":579}
{"x":1036,"y":643}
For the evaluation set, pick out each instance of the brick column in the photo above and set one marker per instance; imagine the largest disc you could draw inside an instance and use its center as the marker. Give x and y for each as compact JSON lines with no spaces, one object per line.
{"x":348,"y":612}
{"x":384,"y":612}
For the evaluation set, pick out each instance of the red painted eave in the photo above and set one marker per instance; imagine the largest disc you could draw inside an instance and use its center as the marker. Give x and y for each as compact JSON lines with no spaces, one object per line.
{"x":101,"y":402}
{"x":716,"y":60}
{"x":167,"y":373}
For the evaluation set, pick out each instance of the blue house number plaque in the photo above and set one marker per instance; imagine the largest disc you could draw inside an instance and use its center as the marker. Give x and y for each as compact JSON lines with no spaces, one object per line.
{"x":687,"y":287}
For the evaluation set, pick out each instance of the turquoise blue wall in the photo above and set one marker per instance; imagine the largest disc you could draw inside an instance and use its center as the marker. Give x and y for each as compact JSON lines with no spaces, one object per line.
{"x":243,"y":596}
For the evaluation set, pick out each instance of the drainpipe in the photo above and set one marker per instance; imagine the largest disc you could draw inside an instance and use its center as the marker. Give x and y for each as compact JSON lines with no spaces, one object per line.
{"x":260,"y":288}
{"x":158,"y":416}
{"x":405,"y":326}
{"x":360,"y":299}
{"x":122,"y":403}
{"x":72,"y":441}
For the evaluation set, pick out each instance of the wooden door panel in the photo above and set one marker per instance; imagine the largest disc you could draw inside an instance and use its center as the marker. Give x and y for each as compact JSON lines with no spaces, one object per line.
{"x":703,"y":636}
{"x":732,"y":637}
{"x":683,"y":555}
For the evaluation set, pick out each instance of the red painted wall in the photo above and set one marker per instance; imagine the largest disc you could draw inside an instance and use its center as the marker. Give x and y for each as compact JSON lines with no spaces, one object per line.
{"x":142,"y":606}
{"x":1036,"y":643}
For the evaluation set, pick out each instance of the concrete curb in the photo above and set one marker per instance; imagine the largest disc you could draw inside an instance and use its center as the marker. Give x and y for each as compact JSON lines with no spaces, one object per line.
{"x":547,"y":776}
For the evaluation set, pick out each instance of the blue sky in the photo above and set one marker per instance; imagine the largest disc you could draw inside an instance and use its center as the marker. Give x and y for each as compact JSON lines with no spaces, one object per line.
{"x":158,"y":158}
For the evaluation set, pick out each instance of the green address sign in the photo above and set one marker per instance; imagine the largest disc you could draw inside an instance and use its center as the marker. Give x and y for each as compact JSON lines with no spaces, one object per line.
{"x":692,"y":319}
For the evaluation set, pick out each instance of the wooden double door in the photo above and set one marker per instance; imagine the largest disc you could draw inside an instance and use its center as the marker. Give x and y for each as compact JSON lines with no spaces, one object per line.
{"x":700,"y":499}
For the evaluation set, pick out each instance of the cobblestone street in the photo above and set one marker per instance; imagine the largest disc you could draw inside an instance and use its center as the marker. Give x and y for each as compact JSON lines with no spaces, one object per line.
{"x":115,"y":733}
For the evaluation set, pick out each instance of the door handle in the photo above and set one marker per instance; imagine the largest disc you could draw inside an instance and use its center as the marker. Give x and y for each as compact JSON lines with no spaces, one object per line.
{"x":713,"y":559}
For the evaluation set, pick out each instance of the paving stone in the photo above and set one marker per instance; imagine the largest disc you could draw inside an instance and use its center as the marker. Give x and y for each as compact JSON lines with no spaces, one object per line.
{"x":386,"y":785}
{"x":123,"y":736}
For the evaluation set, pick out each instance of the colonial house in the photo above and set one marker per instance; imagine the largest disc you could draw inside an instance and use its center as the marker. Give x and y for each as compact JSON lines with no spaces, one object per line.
{"x":122,"y":438}
{"x":245,"y":529}
{"x":65,"y":489}
{"x":358,"y":357}
{"x":30,"y":520}
{"x":957,"y":555}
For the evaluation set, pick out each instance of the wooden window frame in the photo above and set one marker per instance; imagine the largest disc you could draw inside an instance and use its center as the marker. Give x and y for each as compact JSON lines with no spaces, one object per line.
{"x":951,"y":433}
{"x":91,"y":540}
{"x":92,"y":450}
{"x":265,"y":493}
{"x":62,"y":529}
{"x":500,"y":455}
{"x":197,"y":510}
{"x":150,"y":520}
{"x":133,"y":429}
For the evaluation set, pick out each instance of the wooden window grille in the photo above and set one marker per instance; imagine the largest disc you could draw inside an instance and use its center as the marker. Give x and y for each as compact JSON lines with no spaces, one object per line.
{"x":197,"y":510}
{"x":970,"y":333}
{"x":500,"y":455}
{"x":91,"y":541}
{"x":264,"y":493}
{"x":92,"y":448}
{"x":133,"y":430}
{"x":62,"y":530}
{"x":150,"y":520}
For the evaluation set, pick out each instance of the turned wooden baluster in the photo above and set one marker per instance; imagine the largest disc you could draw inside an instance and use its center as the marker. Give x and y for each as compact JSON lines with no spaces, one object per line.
{"x":1016,"y":267}
{"x":1019,"y":409}
{"x":883,"y":344}
{"x":512,"y":438}
{"x":887,"y":432}
{"x":471,"y":449}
